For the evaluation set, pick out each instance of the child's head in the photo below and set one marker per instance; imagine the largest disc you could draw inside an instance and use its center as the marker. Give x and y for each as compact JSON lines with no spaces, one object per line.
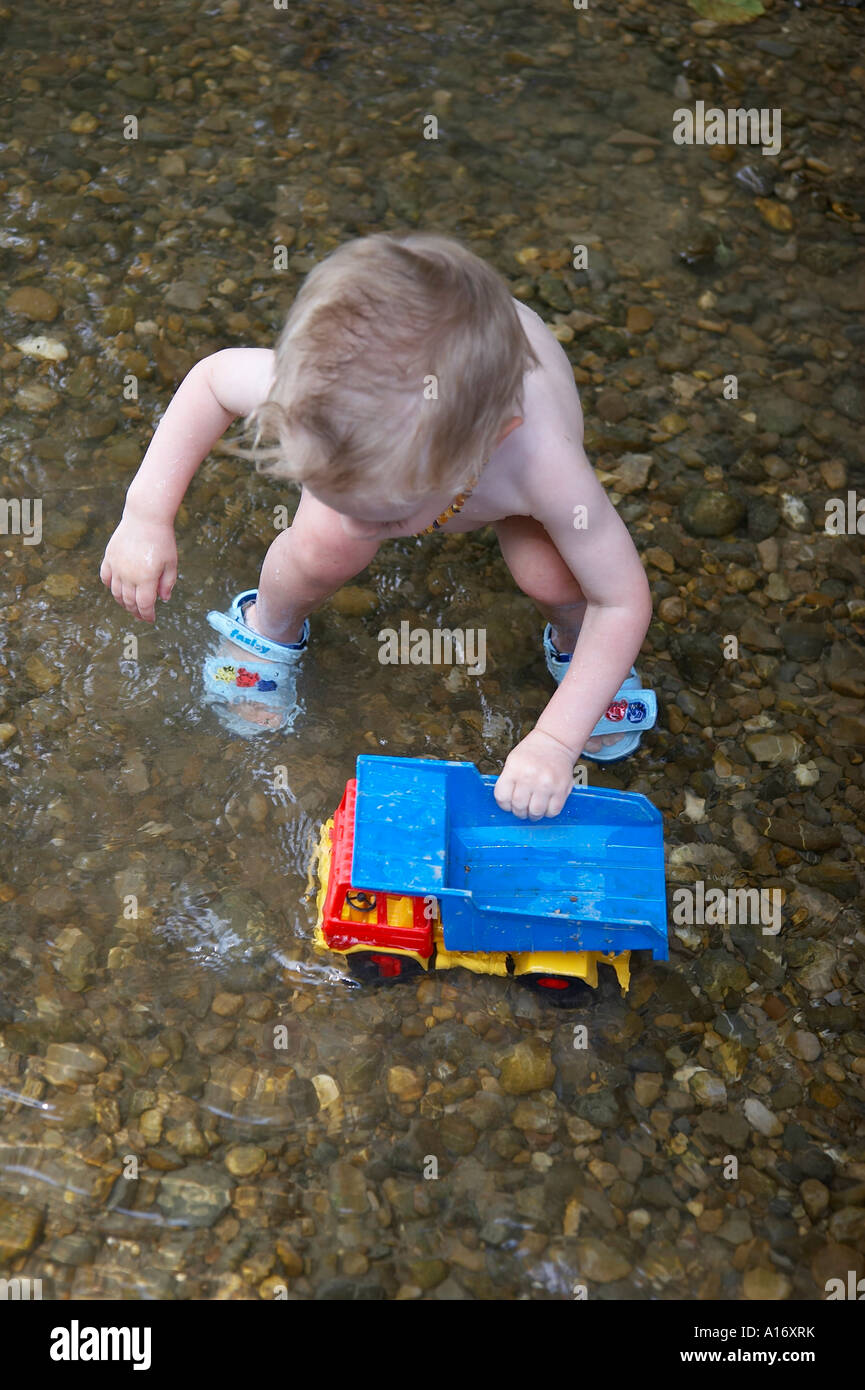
{"x":400,"y":362}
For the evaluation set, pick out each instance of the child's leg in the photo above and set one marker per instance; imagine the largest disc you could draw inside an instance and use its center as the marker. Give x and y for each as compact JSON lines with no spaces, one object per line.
{"x":304,"y":566}
{"x":541,"y":573}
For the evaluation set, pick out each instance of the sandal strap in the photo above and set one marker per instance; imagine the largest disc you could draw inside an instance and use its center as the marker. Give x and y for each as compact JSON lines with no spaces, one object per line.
{"x":232,"y":626}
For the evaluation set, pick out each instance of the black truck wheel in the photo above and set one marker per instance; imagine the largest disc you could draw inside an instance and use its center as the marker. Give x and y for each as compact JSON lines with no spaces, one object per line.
{"x":382,"y":967}
{"x":560,"y":991}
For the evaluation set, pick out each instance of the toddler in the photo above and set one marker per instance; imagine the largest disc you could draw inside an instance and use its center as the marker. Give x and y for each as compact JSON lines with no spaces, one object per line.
{"x":409,"y":393}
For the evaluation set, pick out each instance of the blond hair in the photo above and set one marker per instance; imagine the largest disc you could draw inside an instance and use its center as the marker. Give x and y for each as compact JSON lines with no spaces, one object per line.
{"x":400,"y":361}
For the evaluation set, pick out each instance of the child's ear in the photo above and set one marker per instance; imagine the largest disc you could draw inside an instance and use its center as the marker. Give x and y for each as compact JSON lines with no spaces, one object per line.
{"x":512,"y":424}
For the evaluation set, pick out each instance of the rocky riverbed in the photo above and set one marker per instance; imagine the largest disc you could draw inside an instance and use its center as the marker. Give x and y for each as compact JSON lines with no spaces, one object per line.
{"x":194,"y":1103}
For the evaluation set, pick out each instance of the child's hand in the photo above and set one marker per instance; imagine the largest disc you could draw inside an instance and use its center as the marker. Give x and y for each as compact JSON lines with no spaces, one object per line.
{"x":140,"y":562}
{"x":537,"y":777}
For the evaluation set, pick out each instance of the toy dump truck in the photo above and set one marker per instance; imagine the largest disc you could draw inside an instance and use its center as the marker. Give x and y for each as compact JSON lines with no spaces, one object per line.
{"x":420,"y":869}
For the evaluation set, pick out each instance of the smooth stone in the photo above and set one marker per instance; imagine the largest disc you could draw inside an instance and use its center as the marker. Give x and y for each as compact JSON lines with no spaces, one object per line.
{"x":849,"y":399}
{"x":799,"y":834}
{"x":707,"y":1089}
{"x":185,"y":294}
{"x":45,"y":349}
{"x":794,"y":511}
{"x":33,"y":303}
{"x":244,"y":1160}
{"x":20,"y":1228}
{"x":347,"y":1190}
{"x":804,"y":1045}
{"x":759,"y":636}
{"x":36,"y":399}
{"x":195,"y":1196}
{"x":815,"y":1197}
{"x":764,"y":1284}
{"x":65,"y":532}
{"x":639,"y":319}
{"x":841,"y":880}
{"x":773,"y":748}
{"x":708,"y":512}
{"x":802,"y":641}
{"x":69,"y":1063}
{"x":76,"y":957}
{"x":761,"y":1118}
{"x":354,"y":601}
{"x":600,"y":1263}
{"x":527,"y":1067}
{"x":763,"y":518}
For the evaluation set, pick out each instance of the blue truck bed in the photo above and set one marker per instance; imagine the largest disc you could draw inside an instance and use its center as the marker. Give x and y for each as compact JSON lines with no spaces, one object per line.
{"x":589,"y":879}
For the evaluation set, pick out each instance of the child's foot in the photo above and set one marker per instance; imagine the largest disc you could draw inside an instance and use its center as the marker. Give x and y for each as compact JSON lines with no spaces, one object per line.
{"x":631,"y":703}
{"x":250,"y":679}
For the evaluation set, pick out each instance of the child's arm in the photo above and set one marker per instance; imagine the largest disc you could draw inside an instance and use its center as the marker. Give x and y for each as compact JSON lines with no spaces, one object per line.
{"x":538,"y":774}
{"x":141,"y":557}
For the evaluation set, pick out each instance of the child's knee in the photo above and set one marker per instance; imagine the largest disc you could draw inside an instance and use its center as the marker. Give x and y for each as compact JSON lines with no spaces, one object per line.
{"x":536,"y":565}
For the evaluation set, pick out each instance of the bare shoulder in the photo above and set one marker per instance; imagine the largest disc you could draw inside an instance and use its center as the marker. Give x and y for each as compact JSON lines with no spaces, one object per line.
{"x":551,"y":395}
{"x":551,"y":440}
{"x":240,"y":378}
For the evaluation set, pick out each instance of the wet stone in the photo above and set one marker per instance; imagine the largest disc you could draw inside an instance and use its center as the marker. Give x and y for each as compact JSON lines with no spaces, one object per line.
{"x":245,"y":1160}
{"x":841,"y":880}
{"x":804,"y":1045}
{"x":347,"y":1190}
{"x":599,"y":1262}
{"x":194,"y":1196}
{"x":20,"y":1227}
{"x":708,"y":512}
{"x":802,"y":641}
{"x":708,"y":1090}
{"x":458,"y":1134}
{"x":761,"y":1118}
{"x":527,"y":1067}
{"x":601,"y":1108}
{"x":766,"y":1284}
{"x":68,"y":1063}
{"x":773,"y":748}
{"x":33,"y":303}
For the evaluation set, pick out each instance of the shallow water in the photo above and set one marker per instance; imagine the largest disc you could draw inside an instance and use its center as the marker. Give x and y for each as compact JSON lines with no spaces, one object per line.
{"x":160,"y":1137}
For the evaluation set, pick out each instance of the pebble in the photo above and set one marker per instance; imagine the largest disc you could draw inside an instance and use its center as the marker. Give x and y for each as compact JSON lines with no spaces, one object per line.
{"x":527,"y":1067}
{"x":68,"y":1063}
{"x":245,"y":1160}
{"x":804,"y":1045}
{"x":778,"y":215}
{"x":347,"y":1188}
{"x":75,"y":957}
{"x":672,"y":610}
{"x":815,"y":1197}
{"x":46,"y":349}
{"x":631,"y":473}
{"x":64,"y":532}
{"x":36,"y":399}
{"x":20,"y":1228}
{"x":708,"y":512}
{"x":761,"y":1118}
{"x":708,"y":1090}
{"x":765,"y":1284}
{"x":773,"y":748}
{"x":33,"y":303}
{"x":354,"y":602}
{"x":404,"y":1084}
{"x":194,"y":1196}
{"x":794,"y":511}
{"x":599,"y":1263}
{"x":639,"y":319}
